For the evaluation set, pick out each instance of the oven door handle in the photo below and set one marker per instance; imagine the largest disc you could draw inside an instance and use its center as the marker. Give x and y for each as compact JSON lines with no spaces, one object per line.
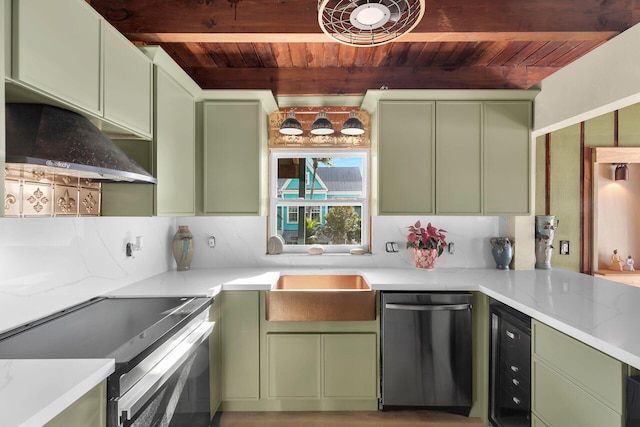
{"x":136,"y":397}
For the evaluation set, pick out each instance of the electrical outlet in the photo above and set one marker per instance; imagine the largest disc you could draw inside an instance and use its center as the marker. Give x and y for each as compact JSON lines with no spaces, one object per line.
{"x":564,"y":247}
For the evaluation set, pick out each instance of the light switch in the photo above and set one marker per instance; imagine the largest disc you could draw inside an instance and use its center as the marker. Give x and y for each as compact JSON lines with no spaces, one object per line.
{"x":564,"y":247}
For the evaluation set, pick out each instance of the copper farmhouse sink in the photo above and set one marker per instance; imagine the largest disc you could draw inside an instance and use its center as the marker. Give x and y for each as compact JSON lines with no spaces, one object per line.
{"x":320,"y":298}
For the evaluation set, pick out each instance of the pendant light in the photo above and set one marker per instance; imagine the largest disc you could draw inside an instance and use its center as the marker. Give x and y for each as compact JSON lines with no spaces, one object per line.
{"x":322,"y":125}
{"x":353,"y":125}
{"x":622,"y":172}
{"x":291,"y":125}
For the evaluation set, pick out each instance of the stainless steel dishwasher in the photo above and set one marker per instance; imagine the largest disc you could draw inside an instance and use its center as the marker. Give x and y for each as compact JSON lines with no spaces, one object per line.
{"x":426,"y":351}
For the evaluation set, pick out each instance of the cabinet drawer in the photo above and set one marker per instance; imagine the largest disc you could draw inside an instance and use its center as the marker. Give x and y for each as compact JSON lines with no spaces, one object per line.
{"x":516,"y":383}
{"x":514,"y":400}
{"x":600,"y":374}
{"x":560,"y":402}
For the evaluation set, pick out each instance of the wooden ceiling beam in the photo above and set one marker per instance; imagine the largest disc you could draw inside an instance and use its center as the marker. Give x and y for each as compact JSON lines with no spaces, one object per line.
{"x":356,"y":81}
{"x":259,"y":16}
{"x":407,"y":38}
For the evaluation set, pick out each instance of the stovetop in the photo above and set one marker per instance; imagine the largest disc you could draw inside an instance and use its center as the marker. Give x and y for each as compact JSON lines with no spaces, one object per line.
{"x":125,"y":329}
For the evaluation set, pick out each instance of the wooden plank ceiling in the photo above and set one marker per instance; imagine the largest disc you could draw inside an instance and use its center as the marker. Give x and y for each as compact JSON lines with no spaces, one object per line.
{"x":459,"y":44}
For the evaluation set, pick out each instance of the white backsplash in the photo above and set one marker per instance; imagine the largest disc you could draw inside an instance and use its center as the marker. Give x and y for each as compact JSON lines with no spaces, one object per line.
{"x":240,"y":241}
{"x":85,"y":257}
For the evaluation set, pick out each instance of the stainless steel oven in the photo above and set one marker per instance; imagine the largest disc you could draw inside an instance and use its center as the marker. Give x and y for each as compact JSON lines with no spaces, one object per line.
{"x":160,"y":346}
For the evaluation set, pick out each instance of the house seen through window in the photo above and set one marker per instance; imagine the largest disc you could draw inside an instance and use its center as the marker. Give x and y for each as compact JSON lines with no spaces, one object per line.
{"x":319,"y":197}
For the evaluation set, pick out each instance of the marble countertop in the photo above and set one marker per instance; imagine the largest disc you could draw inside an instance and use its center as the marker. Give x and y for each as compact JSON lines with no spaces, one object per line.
{"x":596,"y":311}
{"x":33,"y":392}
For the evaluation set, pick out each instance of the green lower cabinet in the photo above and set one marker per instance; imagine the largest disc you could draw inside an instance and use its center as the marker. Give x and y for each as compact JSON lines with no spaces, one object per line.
{"x":573,"y":383}
{"x":294,"y":365}
{"x":535,"y":422}
{"x":240,"y":349}
{"x":215,"y":362}
{"x":560,"y":402}
{"x":349,"y":365}
{"x":315,"y":371}
{"x":88,"y":411}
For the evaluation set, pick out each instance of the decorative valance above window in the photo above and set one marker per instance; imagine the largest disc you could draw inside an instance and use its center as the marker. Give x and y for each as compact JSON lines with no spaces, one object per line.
{"x":345,"y":121}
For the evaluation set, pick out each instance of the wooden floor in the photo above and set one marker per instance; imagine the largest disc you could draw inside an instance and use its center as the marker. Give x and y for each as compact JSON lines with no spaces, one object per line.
{"x":343,"y":419}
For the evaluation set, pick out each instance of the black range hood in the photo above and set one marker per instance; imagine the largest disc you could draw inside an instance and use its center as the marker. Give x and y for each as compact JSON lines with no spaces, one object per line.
{"x":66,"y":143}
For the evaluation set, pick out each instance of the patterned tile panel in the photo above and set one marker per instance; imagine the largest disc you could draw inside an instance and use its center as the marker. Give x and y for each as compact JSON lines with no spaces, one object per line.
{"x":34,"y":191}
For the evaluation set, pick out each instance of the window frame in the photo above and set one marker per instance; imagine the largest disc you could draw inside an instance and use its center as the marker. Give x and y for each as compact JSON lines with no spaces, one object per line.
{"x":363,"y":202}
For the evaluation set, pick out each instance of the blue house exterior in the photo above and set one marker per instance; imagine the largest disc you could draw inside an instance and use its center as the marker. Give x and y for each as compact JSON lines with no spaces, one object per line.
{"x":331,"y":182}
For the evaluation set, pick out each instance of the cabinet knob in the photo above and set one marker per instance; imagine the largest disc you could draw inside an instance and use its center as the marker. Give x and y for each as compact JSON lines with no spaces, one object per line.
{"x":516,"y":400}
{"x":515,"y":381}
{"x":514,"y":368}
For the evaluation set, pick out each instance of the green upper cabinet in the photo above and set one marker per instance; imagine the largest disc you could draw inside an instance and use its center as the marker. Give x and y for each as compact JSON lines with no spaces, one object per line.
{"x":174,"y":147}
{"x":231,"y":170}
{"x":169,"y":156}
{"x":128,"y":83}
{"x":64,"y":53}
{"x":454,"y":156}
{"x":506,"y":157}
{"x":56,"y":49}
{"x":458,"y":157}
{"x":406,"y":157}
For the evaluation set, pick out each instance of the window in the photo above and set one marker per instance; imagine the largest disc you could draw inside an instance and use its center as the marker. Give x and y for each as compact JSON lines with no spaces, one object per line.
{"x":319,"y":197}
{"x":292,"y":212}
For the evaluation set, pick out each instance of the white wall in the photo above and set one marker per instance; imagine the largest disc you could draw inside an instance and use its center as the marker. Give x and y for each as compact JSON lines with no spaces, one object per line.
{"x":605,"y":79}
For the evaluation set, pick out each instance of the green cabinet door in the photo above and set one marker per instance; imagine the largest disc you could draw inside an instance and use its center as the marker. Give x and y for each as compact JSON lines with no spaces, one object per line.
{"x":240,"y":350}
{"x":231,"y":171}
{"x":458,"y":157}
{"x":573,"y":383}
{"x":350,"y":365}
{"x":127,"y":83}
{"x":559,"y":402}
{"x":130,"y":199}
{"x":293,"y":365}
{"x":536,"y":422}
{"x":506,"y":156}
{"x":57,"y":50}
{"x":174,"y":144}
{"x":88,"y":411}
{"x":600,"y":374}
{"x":406,"y":157}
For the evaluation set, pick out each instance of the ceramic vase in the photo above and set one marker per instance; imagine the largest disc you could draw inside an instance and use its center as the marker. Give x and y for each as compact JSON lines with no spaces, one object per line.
{"x":425,"y":258}
{"x":183,"y":247}
{"x":502,"y":251}
{"x":546,"y":226}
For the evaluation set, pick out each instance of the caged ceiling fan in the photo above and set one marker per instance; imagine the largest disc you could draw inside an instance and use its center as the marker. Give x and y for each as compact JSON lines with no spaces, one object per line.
{"x":368,"y":22}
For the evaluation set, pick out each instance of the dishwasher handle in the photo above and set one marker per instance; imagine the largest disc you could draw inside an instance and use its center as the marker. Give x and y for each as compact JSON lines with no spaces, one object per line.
{"x":428,"y":307}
